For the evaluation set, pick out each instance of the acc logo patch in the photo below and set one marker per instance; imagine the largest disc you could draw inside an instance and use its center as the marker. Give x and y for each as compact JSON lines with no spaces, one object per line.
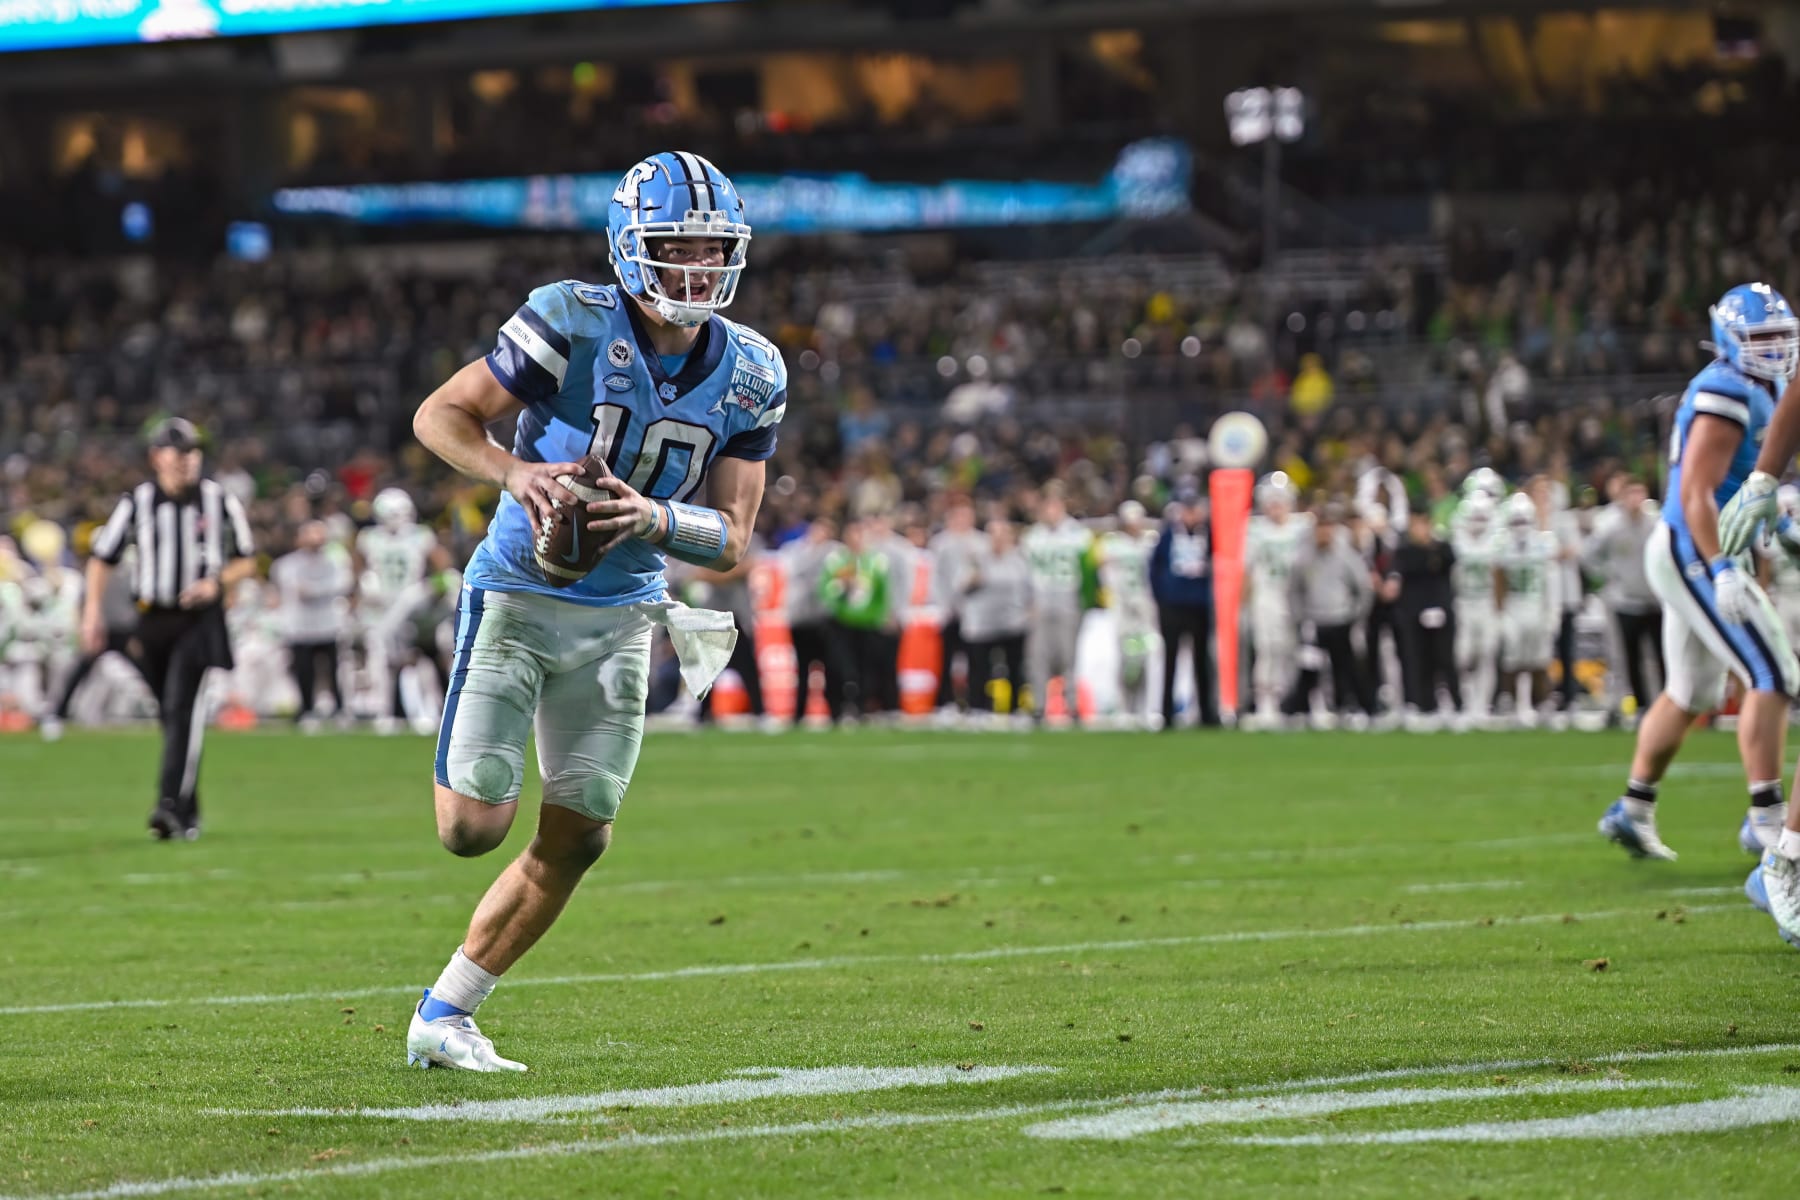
{"x":1696,"y":570}
{"x":619,"y":353}
{"x":618,"y":383}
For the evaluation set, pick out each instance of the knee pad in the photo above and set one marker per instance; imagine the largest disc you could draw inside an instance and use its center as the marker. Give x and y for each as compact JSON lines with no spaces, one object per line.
{"x":595,"y":795}
{"x":489,"y":778}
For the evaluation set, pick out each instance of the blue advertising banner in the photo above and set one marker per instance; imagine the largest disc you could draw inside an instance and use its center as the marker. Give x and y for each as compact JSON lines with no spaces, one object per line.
{"x":49,"y":24}
{"x":1150,"y":179}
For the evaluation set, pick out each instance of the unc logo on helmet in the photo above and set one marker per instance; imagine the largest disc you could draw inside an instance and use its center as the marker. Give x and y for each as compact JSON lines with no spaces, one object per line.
{"x":1754,"y":329}
{"x":673,"y":195}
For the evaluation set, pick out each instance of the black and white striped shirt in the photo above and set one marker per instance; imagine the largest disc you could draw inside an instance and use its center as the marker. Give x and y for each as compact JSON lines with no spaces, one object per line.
{"x":179,"y":540}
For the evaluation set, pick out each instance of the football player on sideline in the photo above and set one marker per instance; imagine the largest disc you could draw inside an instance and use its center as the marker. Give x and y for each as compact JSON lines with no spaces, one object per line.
{"x":1715,"y":616}
{"x":396,"y":556}
{"x":647,"y":376}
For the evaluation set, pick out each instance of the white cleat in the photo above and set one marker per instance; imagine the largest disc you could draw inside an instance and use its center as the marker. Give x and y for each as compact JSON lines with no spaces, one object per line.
{"x":453,"y":1041}
{"x":1638,"y":837}
{"x":1762,"y":828}
{"x":1781,"y":883}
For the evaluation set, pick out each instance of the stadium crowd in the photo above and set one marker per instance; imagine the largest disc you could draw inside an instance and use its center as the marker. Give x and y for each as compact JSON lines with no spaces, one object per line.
{"x":917,"y":383}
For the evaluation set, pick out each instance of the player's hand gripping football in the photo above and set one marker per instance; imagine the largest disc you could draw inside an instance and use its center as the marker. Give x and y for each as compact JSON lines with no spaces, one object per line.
{"x":626,"y":515}
{"x":1744,"y":514}
{"x":534,"y":486}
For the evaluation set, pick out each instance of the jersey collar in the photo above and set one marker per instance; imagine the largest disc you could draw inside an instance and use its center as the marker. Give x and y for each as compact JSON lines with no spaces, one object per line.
{"x":701,"y":362}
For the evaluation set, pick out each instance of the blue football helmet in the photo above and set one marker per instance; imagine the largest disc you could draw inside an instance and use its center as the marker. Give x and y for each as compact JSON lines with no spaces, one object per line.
{"x":1754,"y":329}
{"x":676,"y":194}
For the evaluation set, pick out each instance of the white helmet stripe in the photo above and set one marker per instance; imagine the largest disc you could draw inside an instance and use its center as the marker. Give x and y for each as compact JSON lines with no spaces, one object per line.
{"x":696,"y":176}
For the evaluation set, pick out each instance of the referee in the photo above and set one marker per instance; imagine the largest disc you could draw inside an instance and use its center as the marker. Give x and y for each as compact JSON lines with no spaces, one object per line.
{"x":193,"y":543}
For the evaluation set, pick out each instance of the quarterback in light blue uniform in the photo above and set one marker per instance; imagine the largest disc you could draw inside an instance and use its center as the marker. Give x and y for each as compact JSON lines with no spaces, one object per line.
{"x":578,"y":357}
{"x":683,"y":406}
{"x":1715,"y":618}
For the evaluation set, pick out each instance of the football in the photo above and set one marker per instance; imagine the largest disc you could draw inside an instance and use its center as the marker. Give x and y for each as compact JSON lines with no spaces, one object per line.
{"x":566,"y":550}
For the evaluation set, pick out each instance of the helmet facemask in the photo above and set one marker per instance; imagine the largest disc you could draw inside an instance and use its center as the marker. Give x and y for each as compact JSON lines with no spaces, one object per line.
{"x":635,"y":253}
{"x":1767,"y":349}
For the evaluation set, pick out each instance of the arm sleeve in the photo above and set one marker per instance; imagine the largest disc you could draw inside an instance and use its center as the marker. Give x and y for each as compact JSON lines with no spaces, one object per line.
{"x":109,"y":544}
{"x":242,"y":544}
{"x":530,"y":357}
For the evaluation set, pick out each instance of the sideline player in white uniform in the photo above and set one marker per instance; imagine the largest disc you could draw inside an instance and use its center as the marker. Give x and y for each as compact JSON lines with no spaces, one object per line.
{"x":1125,"y":574}
{"x":1273,"y":545}
{"x":1473,"y":539}
{"x":1524,"y":557}
{"x":683,"y":406}
{"x":395,"y":555}
{"x":1715,"y":617}
{"x":1056,"y":548}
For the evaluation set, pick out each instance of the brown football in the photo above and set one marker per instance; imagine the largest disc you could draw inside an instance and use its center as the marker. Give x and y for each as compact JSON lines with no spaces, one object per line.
{"x":566,"y":550}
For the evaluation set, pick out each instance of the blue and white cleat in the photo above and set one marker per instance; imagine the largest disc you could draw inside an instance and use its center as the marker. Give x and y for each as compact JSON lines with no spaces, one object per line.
{"x":1762,"y":828}
{"x":452,"y":1041}
{"x":1778,"y":879}
{"x":1637,"y":837}
{"x":1758,"y":893}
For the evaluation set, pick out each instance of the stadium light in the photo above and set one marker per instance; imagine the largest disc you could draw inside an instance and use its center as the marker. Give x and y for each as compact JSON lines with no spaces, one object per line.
{"x":1269,"y":117}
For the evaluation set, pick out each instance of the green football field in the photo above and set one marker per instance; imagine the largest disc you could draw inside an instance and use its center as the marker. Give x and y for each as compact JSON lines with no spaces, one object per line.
{"x":906,"y":964}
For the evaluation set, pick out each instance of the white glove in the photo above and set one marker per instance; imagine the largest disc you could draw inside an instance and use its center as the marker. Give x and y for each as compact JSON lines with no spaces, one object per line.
{"x":1745,"y":513}
{"x":1732,"y":590}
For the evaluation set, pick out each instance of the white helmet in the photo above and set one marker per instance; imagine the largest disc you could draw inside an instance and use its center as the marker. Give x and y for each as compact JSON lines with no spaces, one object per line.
{"x":1788,"y":498}
{"x":394,"y":508}
{"x":1476,"y":514}
{"x":1276,"y":487}
{"x":1520,"y":511}
{"x":1485,"y":481}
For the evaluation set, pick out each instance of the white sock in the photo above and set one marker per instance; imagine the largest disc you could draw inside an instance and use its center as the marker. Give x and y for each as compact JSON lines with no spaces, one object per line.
{"x":463,"y":984}
{"x":1639,"y":810}
{"x":1789,"y":845}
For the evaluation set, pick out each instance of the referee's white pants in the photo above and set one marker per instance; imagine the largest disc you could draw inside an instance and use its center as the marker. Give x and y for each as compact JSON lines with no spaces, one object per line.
{"x":1699,"y":645}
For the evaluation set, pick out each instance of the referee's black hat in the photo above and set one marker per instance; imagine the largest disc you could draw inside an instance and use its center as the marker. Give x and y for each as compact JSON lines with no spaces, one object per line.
{"x":177,"y":433}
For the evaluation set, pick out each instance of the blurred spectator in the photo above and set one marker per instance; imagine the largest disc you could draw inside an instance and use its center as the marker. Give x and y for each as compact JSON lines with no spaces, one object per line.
{"x":1057,"y":549}
{"x":314,"y":586}
{"x":1425,"y":615}
{"x":857,"y":591}
{"x":1311,"y":392}
{"x":953,"y":552}
{"x":1181,"y":582}
{"x":1614,"y":551}
{"x":996,"y":587}
{"x":1332,"y":591}
{"x":816,"y":641}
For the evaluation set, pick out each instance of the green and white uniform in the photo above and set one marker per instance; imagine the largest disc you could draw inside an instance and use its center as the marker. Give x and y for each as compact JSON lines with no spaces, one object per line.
{"x":1056,"y":556}
{"x":1271,"y":551}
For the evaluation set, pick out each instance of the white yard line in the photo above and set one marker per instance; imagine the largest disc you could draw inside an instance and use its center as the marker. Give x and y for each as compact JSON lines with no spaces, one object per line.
{"x":755,"y":1083}
{"x":1467,"y":885}
{"x":863,"y":960}
{"x":1136,"y":1120}
{"x":1751,"y":1106}
{"x":633,"y":1141}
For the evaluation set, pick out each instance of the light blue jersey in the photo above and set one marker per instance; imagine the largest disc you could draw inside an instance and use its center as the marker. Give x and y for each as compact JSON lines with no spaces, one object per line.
{"x":580,"y":359}
{"x":1719,"y":390}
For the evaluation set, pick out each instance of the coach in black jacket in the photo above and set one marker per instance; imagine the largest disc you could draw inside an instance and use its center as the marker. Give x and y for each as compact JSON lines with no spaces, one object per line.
{"x":1424,"y":604}
{"x":193,"y":542}
{"x":1181,"y":582}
